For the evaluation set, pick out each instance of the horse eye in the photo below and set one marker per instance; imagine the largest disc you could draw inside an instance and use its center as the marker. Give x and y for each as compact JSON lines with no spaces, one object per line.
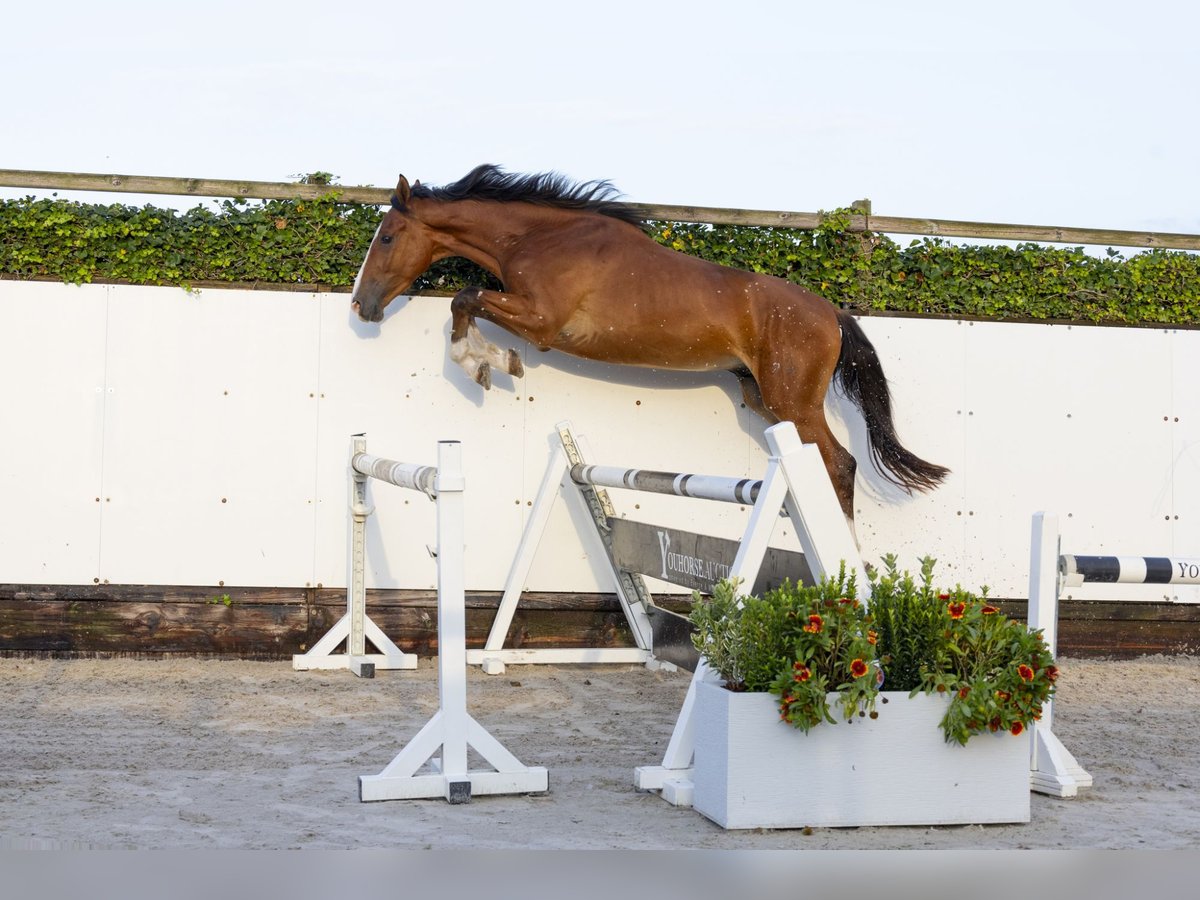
{"x":385,"y":239}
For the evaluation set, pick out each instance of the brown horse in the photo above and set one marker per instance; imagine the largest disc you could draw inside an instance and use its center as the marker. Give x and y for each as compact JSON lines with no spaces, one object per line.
{"x":580,"y":275}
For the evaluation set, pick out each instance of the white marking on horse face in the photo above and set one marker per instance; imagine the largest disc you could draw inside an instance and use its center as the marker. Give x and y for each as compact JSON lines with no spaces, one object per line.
{"x":358,"y":277}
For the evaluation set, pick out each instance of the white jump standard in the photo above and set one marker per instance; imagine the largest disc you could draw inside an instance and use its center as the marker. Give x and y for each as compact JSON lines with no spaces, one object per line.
{"x":451,"y":729}
{"x":1053,"y":770}
{"x":356,"y":627}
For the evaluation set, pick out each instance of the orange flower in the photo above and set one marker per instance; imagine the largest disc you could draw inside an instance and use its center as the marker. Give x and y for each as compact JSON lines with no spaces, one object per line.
{"x":1017,"y":728}
{"x":872,"y":637}
{"x":957,"y":610}
{"x":1003,"y":695}
{"x":858,"y":668}
{"x":1025,"y":672}
{"x":1052,"y":673}
{"x":815,"y":624}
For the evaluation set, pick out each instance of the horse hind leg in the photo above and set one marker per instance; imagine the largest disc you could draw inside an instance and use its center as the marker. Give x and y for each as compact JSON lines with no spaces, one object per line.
{"x":779,"y":402}
{"x":471,"y":350}
{"x":752,"y":396}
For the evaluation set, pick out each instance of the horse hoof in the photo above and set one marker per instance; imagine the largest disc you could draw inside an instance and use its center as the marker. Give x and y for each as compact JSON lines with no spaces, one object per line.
{"x":483,"y":376}
{"x":515,"y":367}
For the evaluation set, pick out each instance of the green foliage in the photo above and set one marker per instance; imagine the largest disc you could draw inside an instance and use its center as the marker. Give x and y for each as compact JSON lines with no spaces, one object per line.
{"x":997,"y":673}
{"x":322,"y":242}
{"x":799,"y":642}
{"x":909,"y":620}
{"x":871,"y":272}
{"x":311,"y":242}
{"x":743,"y":643}
{"x":807,"y":644}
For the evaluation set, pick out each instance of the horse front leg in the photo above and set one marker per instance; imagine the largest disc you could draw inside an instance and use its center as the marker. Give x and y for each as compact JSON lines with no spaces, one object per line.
{"x":470,"y":349}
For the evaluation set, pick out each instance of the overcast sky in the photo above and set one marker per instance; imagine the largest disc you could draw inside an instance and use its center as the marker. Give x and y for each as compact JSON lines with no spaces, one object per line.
{"x":1066,"y":113}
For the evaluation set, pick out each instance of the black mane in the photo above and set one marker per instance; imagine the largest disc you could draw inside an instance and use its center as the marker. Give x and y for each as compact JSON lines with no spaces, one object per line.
{"x":488,"y":182}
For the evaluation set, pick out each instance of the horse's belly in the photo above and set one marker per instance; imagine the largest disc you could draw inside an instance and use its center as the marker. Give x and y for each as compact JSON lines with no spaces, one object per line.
{"x":695,"y":353}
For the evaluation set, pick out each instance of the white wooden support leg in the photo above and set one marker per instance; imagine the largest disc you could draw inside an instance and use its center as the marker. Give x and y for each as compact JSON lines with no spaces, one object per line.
{"x":1052,"y":768}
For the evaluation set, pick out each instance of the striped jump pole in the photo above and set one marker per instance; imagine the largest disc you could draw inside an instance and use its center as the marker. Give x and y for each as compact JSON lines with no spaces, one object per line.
{"x":743,"y":491}
{"x":1076,"y":570}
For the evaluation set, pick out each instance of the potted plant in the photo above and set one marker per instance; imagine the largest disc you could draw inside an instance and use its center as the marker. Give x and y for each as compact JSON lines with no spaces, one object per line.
{"x":794,"y":729}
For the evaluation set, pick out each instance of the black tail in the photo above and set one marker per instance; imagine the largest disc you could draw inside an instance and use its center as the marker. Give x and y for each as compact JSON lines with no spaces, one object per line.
{"x":862,"y":380}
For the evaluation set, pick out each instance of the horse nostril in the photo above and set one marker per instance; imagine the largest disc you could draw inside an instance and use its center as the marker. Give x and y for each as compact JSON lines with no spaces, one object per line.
{"x":354,"y":305}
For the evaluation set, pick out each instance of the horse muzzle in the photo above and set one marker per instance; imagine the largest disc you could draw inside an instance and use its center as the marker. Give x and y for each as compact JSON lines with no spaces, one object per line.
{"x":371,"y":313}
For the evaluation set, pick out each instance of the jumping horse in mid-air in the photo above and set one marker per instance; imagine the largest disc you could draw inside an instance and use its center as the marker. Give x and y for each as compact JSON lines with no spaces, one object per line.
{"x":580,"y":275}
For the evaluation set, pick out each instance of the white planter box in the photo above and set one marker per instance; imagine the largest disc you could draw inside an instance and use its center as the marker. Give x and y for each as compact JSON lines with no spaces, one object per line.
{"x":754,"y":771}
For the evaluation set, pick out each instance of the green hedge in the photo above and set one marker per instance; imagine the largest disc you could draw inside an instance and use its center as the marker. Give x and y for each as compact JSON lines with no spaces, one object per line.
{"x":322,"y":243}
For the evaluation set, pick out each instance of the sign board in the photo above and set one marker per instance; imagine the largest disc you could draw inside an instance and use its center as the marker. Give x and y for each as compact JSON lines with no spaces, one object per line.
{"x":696,"y":561}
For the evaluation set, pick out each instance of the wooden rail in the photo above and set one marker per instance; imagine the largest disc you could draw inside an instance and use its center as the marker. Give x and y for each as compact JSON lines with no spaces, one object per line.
{"x":272,"y":190}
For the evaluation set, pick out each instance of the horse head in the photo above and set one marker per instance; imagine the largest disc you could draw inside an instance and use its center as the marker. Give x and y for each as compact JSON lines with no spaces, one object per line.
{"x":400,"y":251}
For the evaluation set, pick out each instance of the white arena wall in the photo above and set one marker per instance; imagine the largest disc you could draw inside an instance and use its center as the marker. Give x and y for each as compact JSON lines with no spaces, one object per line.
{"x":159,"y":436}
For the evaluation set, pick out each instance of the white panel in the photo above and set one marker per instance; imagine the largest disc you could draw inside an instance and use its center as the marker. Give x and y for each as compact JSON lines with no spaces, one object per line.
{"x":1184,"y":413}
{"x":209,"y":438}
{"x":923,"y":362}
{"x":395,"y":382}
{"x":252,"y":397}
{"x":51,"y":415}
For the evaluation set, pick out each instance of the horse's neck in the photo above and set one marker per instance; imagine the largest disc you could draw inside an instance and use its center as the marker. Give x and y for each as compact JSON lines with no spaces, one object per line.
{"x":481,"y":231}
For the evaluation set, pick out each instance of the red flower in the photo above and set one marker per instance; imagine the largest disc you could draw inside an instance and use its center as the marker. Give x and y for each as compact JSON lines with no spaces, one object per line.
{"x":815,"y":624}
{"x":990,"y":610}
{"x":943,"y":596}
{"x":803,"y":673}
{"x":957,"y":610}
{"x":1052,"y":673}
{"x":1003,"y":695}
{"x":963,"y":691}
{"x":1025,"y":672}
{"x":1017,"y":728}
{"x":994,"y":725}
{"x":858,"y":668}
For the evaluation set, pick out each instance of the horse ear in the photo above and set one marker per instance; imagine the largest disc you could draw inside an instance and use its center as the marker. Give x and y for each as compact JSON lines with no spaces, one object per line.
{"x":403,"y":191}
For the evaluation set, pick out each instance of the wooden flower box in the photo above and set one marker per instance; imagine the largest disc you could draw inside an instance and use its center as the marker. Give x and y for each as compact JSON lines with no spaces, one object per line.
{"x":754,"y":771}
